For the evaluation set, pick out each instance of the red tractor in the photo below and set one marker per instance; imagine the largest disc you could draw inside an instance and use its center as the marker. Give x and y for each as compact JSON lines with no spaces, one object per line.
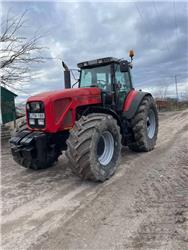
{"x":90,"y":123}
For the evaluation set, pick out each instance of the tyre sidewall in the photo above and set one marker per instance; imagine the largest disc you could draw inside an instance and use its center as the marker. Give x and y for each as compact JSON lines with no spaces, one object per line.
{"x":104,"y":172}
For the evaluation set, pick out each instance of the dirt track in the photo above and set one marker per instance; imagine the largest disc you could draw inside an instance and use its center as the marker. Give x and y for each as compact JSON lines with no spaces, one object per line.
{"x":143,"y":206}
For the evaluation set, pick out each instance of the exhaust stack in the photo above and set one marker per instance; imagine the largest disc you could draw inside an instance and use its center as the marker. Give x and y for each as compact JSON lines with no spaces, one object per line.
{"x":67,"y":78}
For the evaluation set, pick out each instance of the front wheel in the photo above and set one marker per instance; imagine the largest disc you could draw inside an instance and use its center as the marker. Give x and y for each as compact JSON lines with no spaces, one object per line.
{"x":94,"y":147}
{"x":145,"y":126}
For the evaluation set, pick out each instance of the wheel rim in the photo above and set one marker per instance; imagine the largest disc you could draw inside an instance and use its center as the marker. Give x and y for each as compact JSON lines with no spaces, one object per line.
{"x":151,"y":124}
{"x":105,"y":148}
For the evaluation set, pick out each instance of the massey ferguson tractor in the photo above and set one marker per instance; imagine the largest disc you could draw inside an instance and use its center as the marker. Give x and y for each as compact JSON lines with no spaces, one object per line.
{"x":90,"y":123}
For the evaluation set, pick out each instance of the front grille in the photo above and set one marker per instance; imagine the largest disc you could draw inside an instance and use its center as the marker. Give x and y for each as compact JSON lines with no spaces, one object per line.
{"x":60,"y":106}
{"x":67,"y":123}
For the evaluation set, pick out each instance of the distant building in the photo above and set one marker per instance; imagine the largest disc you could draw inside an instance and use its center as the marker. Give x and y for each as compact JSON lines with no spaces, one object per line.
{"x":8,"y":110}
{"x":162,"y":104}
{"x":170,"y":104}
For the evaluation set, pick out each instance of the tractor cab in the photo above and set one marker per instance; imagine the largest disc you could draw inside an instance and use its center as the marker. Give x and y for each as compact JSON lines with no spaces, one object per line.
{"x":111,"y":75}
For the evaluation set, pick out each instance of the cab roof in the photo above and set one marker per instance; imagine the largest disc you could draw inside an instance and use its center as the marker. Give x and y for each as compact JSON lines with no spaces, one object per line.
{"x":97,"y":62}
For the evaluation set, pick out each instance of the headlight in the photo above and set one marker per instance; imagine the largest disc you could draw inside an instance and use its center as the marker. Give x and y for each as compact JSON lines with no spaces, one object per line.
{"x":36,"y":107}
{"x":36,"y":114}
{"x":32,"y":121}
{"x":41,"y":122}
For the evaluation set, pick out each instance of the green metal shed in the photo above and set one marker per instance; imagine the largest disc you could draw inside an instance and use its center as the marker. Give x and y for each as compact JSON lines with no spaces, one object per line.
{"x":8,"y":109}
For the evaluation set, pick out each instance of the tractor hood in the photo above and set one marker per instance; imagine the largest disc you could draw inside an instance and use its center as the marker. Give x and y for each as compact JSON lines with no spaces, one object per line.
{"x":59,"y":108}
{"x":66,"y":93}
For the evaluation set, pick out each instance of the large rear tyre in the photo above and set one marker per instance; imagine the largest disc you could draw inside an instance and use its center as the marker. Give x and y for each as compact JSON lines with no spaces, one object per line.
{"x":94,"y":147}
{"x":145,"y":126}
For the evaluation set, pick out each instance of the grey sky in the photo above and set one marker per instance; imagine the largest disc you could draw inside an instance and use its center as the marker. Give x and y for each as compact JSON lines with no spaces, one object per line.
{"x":157,"y":31}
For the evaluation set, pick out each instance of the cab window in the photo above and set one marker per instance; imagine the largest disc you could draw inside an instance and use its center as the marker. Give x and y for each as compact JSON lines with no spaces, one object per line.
{"x":98,"y":76}
{"x":122,"y":79}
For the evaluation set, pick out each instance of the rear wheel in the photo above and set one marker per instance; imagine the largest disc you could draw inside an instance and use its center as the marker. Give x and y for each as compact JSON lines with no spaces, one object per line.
{"x":145,"y":126}
{"x":94,"y":147}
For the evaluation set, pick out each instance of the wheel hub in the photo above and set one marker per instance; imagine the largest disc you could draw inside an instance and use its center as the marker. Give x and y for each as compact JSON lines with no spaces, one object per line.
{"x":105,"y":148}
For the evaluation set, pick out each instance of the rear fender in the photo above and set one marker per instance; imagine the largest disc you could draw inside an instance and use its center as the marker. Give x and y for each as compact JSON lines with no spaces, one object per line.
{"x":132,"y":102}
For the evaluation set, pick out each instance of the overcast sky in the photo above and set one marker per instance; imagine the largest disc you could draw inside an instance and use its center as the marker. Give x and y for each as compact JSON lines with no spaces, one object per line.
{"x":78,"y":31}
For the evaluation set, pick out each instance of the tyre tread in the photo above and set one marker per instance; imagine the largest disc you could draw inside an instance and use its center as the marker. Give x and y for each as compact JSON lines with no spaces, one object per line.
{"x":140,"y":144}
{"x":80,"y":164}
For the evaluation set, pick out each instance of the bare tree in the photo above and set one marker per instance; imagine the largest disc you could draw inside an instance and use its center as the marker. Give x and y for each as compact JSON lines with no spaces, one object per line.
{"x":17,"y":53}
{"x":161,"y":92}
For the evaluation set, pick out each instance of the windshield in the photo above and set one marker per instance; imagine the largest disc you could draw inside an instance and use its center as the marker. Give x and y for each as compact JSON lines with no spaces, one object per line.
{"x":96,"y":77}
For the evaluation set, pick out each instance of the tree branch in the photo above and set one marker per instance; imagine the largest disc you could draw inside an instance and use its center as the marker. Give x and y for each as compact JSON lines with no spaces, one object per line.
{"x":17,"y":53}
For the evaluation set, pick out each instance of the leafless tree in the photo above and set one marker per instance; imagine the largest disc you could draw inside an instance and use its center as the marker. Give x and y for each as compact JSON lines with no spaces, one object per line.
{"x":17,"y":52}
{"x":161,"y":92}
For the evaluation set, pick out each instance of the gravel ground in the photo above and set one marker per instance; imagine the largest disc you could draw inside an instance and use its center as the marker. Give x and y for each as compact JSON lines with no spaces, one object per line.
{"x":143,"y":206}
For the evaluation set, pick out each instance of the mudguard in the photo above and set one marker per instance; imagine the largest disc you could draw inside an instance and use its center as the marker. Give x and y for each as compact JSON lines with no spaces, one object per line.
{"x":132,"y":102}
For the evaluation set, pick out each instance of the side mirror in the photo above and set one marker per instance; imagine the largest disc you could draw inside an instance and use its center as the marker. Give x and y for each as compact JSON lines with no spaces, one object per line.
{"x":124,"y":66}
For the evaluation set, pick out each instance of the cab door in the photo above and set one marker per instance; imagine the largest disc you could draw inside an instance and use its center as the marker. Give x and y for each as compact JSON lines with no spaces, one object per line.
{"x":123,"y":85}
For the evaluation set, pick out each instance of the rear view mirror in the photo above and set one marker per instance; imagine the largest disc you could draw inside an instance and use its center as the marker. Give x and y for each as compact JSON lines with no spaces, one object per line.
{"x":124,"y":66}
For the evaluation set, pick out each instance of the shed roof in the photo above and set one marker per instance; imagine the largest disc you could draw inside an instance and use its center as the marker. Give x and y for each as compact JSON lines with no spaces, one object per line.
{"x":8,"y":91}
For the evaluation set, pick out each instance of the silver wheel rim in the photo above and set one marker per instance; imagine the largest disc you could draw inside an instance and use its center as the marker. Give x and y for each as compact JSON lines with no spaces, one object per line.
{"x":105,"y":148}
{"x":151,"y":124}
